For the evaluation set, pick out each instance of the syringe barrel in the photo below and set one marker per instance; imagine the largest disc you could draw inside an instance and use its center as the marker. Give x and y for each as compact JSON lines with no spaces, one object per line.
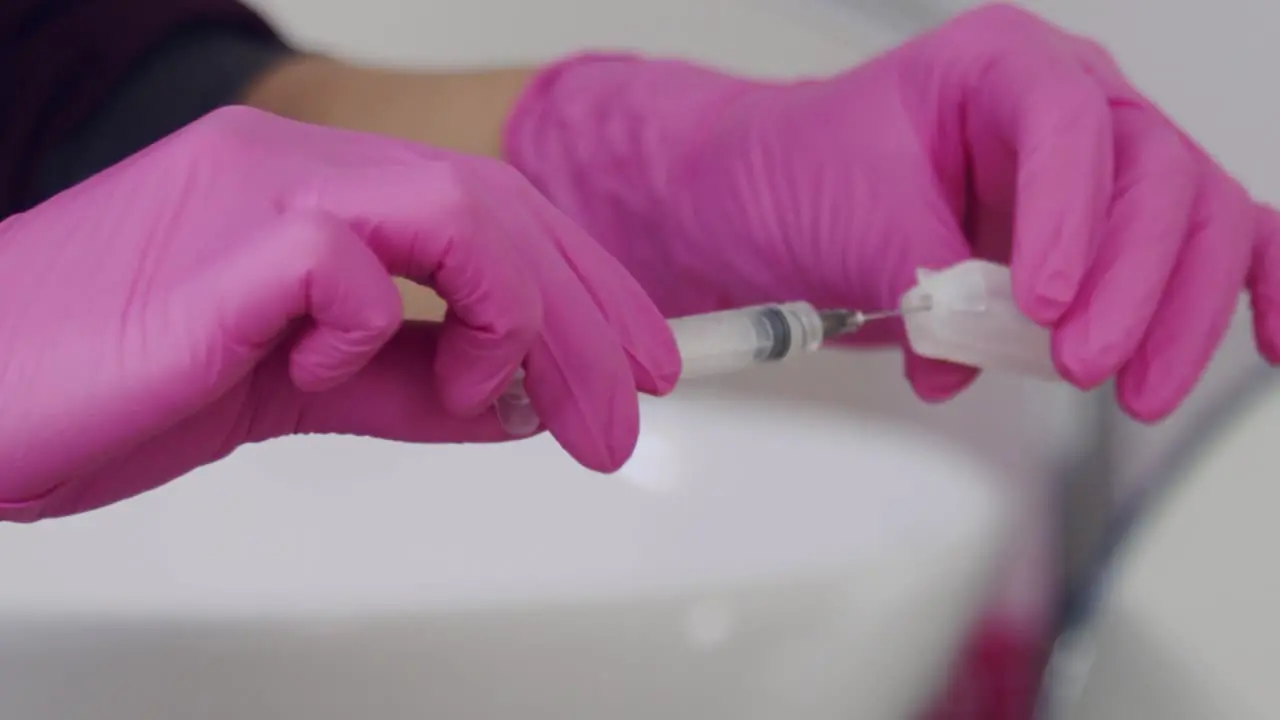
{"x":732,"y":340}
{"x":710,"y":344}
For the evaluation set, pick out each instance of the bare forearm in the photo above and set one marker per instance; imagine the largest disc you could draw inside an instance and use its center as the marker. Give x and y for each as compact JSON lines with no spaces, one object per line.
{"x":463,"y":111}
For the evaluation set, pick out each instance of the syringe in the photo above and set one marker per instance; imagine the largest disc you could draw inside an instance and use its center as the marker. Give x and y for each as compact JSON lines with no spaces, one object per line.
{"x":724,"y":342}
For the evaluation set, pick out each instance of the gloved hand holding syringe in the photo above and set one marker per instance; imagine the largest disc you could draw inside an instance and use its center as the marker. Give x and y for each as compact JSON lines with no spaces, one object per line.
{"x":965,"y":314}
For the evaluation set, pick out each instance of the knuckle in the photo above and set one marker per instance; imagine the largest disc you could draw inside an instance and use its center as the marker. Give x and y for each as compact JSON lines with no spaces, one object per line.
{"x":451,"y":193}
{"x":1094,"y":53}
{"x":438,"y":192}
{"x":308,"y":239}
{"x":1001,"y":24}
{"x":487,"y":264}
{"x":1070,"y":101}
{"x":454,"y":211}
{"x":998,"y":31}
{"x":318,"y":252}
{"x":415,"y":213}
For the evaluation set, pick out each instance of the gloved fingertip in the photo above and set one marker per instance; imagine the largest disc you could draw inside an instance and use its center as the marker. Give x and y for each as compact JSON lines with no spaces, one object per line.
{"x":1264,"y":285}
{"x":1267,"y":335}
{"x":1138,"y":399}
{"x":1079,"y":364}
{"x":936,"y":381}
{"x":658,"y":373}
{"x":645,"y":336}
{"x":590,"y":405}
{"x":612,"y":448}
{"x":612,"y":464}
{"x":1266,"y":329}
{"x":624,"y":434}
{"x":651,"y":352}
{"x":1046,"y":297}
{"x":1144,"y":410}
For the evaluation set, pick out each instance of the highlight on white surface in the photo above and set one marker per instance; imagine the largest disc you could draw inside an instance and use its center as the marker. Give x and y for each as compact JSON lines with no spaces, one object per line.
{"x":777,"y":578}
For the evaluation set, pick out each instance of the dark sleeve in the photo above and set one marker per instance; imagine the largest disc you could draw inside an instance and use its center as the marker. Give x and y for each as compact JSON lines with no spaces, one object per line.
{"x":84,"y":83}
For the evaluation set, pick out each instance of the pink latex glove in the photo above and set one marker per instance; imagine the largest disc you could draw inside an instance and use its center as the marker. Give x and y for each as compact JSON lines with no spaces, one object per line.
{"x":997,"y":134}
{"x":233,"y":283}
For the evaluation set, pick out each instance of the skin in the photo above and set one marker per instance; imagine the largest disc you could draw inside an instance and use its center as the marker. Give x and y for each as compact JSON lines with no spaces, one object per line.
{"x":465,"y":112}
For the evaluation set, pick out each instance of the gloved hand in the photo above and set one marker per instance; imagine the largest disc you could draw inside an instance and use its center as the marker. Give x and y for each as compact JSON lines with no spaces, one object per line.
{"x":233,"y":283}
{"x":997,"y":135}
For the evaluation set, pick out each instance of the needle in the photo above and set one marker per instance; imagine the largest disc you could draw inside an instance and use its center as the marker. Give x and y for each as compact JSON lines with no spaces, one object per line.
{"x":844,"y":322}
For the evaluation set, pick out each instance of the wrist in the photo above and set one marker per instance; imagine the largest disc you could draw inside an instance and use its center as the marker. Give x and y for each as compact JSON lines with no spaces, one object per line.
{"x":299,"y":87}
{"x":462,"y":111}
